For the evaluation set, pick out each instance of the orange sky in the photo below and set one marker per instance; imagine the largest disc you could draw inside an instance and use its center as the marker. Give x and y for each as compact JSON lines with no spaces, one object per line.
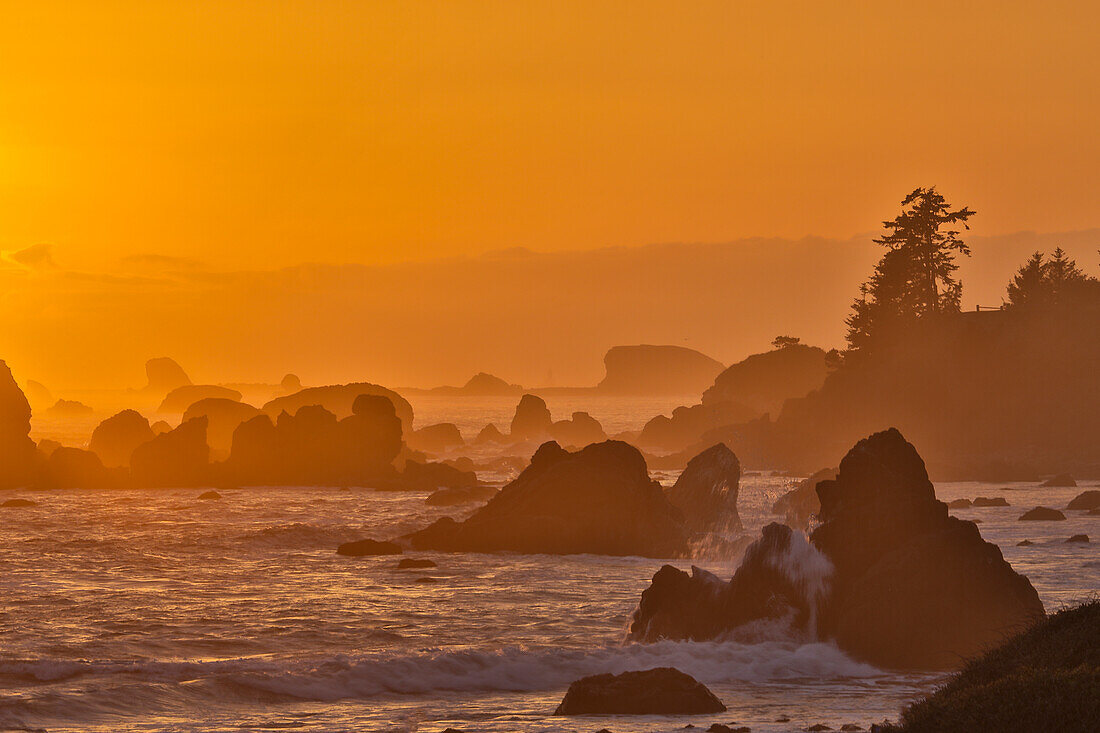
{"x":278,"y":132}
{"x":141,"y":140}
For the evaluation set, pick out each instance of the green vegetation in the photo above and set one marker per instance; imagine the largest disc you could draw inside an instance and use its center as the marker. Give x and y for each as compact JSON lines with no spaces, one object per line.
{"x":1045,"y":679}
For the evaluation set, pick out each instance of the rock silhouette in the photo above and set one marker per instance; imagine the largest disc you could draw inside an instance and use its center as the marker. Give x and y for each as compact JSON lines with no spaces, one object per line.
{"x":223,"y":416}
{"x":598,"y":500}
{"x":1042,"y":514}
{"x":38,"y":395}
{"x":763,"y":382}
{"x":1085,"y":500}
{"x":706,"y":491}
{"x":68,"y":408}
{"x":290,"y":384}
{"x":532,"y":419}
{"x":179,"y":399}
{"x":73,"y":468}
{"x":657,"y":370}
{"x":880,"y":522}
{"x":800,"y":504}
{"x":438,"y":438}
{"x":339,"y":400}
{"x":661,"y":691}
{"x":481,"y":385}
{"x":313,"y":448}
{"x":489,"y":434}
{"x":164,"y":375}
{"x":701,"y":606}
{"x":689,"y":425}
{"x":1061,"y":480}
{"x":115,"y":439}
{"x":17,"y":504}
{"x":579,"y":431}
{"x":368,"y":547}
{"x":983,"y":501}
{"x":179,"y":457}
{"x":17,"y":450}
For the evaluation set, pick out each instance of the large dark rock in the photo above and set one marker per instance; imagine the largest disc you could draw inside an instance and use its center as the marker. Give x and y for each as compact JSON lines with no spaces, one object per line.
{"x":800,"y":504}
{"x":17,"y":450}
{"x":661,"y":691}
{"x":598,"y":500}
{"x":176,"y":458}
{"x":908,"y":586}
{"x":706,"y":491}
{"x":115,"y":439}
{"x":1085,"y":500}
{"x":657,"y":370}
{"x":912,"y":586}
{"x":780,"y":577}
{"x":532,"y":420}
{"x":763,"y":382}
{"x":313,"y":448}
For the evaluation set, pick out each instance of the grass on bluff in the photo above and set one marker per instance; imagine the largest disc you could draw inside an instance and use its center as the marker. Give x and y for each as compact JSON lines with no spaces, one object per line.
{"x":1045,"y":679}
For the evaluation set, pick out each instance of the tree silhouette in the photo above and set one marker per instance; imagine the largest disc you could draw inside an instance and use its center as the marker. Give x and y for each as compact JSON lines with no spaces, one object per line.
{"x":915,"y":278}
{"x":1053,"y":281}
{"x":782,"y":342}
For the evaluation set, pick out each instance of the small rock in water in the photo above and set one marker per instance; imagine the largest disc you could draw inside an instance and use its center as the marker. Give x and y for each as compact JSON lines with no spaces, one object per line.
{"x":210,"y":495}
{"x":661,"y":691}
{"x":408,"y":563}
{"x":1062,"y":479}
{"x":782,"y":719}
{"x":819,"y":726}
{"x":1042,"y":514}
{"x":362,"y":548}
{"x":719,"y":728}
{"x":1082,"y":538}
{"x":985,"y":501}
{"x":959,"y":504}
{"x":1024,"y":543}
{"x":603,"y":730}
{"x":850,"y":726}
{"x":454,"y":730}
{"x":18,"y":503}
{"x":427,"y":580}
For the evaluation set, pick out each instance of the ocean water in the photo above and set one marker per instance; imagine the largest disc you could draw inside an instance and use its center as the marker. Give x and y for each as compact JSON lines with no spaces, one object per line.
{"x":152,"y":610}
